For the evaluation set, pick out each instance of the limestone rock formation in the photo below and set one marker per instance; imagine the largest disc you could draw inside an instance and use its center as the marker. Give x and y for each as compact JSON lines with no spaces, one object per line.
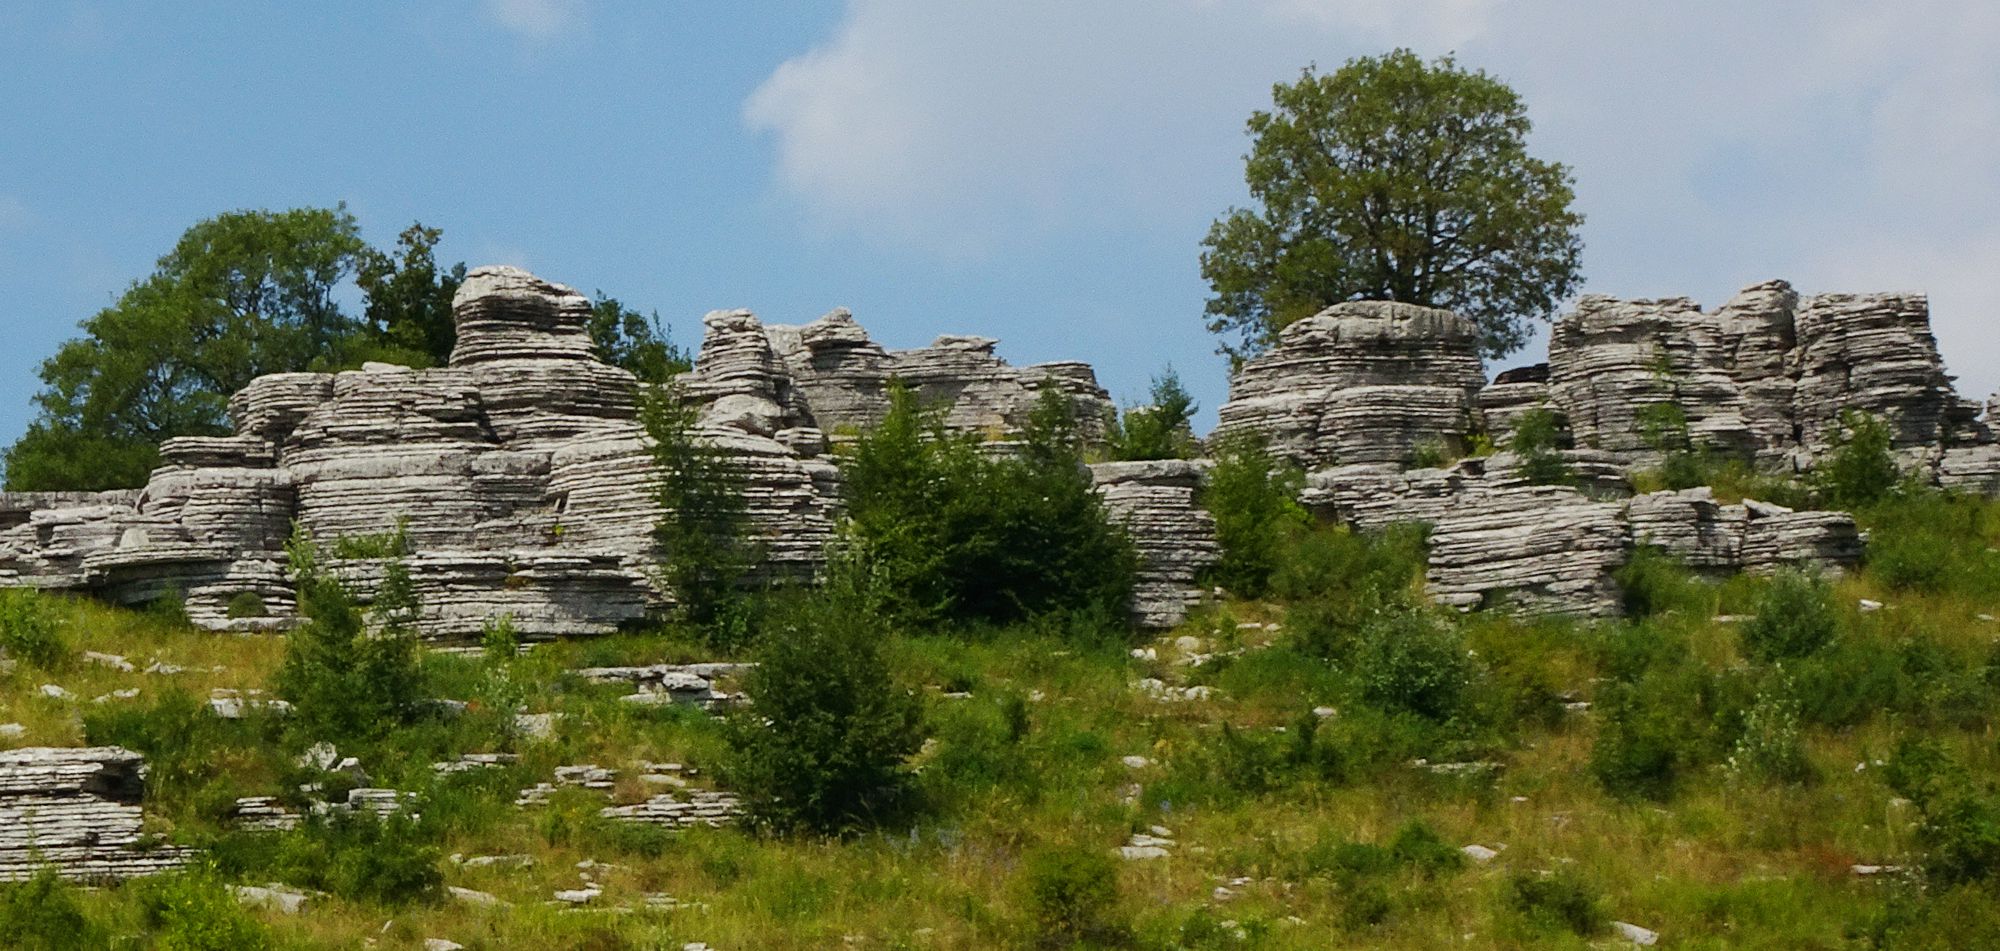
{"x":841,"y":379}
{"x":1765,"y":377}
{"x":1496,"y":541}
{"x":1155,"y":502}
{"x":1363,"y":382}
{"x":77,"y":810}
{"x":517,"y":480}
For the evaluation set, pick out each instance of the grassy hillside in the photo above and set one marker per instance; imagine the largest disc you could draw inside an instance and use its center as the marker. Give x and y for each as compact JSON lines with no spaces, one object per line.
{"x":1713,"y":770}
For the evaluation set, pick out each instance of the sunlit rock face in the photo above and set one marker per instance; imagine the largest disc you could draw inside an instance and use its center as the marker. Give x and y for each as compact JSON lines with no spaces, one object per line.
{"x":1765,"y":377}
{"x":841,"y":378}
{"x":518,"y":480}
{"x":1363,"y":382}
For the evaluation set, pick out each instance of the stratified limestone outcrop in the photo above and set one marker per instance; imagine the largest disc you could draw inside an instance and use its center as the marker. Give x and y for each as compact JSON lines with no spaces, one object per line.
{"x":518,"y":480}
{"x":841,"y":379}
{"x":76,"y":810}
{"x":1766,"y":377}
{"x":1499,"y":542}
{"x":1155,"y":502}
{"x":1363,"y":382}
{"x":458,"y":462}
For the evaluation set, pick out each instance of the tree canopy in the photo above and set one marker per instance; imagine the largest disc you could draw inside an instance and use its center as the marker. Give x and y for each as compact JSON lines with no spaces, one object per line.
{"x":1394,"y":179}
{"x":240,"y":295}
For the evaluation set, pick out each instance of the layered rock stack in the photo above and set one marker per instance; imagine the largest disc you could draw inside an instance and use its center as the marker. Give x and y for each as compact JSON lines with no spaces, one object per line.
{"x":842,"y":379}
{"x":77,"y":811}
{"x":1156,"y":503}
{"x":1363,"y":382}
{"x":1765,"y":377}
{"x":517,"y":480}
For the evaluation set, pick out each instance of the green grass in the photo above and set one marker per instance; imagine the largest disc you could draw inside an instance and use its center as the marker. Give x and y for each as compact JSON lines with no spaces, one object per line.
{"x":1310,"y":838}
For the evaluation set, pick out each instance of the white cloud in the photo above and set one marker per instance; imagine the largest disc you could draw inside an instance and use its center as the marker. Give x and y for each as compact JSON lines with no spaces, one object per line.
{"x":1846,"y":144}
{"x":538,"y":20}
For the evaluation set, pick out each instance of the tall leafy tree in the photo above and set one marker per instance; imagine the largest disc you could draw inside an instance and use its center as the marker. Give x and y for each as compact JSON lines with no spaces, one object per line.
{"x":1394,"y":179}
{"x":240,"y":295}
{"x":637,"y":342}
{"x":409,"y":298}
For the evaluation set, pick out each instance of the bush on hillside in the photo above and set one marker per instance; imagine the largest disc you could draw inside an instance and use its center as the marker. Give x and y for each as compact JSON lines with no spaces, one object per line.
{"x":950,"y":532}
{"x":30,"y":630}
{"x":194,"y":911}
{"x":1337,"y":579}
{"x":1654,"y":582}
{"x":825,"y":742}
{"x":1254,"y":499}
{"x":702,"y":537}
{"x":1072,"y":896}
{"x":390,"y":860}
{"x":1562,"y":900}
{"x":1860,"y":469}
{"x":45,"y":913}
{"x":344,"y":681}
{"x":1411,"y":662}
{"x":1794,"y":618}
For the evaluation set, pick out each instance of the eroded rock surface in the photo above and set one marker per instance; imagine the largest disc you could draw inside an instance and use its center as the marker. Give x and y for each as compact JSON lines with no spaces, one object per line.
{"x":78,"y":811}
{"x":1363,"y":382}
{"x":1156,"y":503}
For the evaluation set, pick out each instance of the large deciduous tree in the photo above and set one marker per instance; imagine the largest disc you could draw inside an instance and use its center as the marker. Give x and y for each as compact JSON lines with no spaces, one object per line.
{"x":1394,"y":179}
{"x":240,"y":295}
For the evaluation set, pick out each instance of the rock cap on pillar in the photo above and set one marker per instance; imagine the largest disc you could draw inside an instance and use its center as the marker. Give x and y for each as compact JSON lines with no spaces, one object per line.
{"x":505,"y":313}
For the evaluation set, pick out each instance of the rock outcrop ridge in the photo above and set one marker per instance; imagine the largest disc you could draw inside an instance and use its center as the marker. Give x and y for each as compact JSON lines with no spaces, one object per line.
{"x":517,"y":479}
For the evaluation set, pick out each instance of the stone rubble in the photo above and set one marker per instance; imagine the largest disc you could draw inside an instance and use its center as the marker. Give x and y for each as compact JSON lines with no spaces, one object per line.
{"x":77,"y":810}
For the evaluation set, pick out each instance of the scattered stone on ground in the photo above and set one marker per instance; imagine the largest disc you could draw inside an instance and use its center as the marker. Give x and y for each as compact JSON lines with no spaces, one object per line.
{"x":273,"y":897}
{"x":1642,"y":937}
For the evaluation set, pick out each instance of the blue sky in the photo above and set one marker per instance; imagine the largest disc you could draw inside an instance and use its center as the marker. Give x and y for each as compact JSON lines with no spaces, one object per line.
{"x":1040,"y":171}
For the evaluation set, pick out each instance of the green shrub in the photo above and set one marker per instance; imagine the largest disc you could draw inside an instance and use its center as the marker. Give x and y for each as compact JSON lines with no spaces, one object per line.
{"x":1654,"y":582}
{"x":194,"y":911}
{"x":1936,"y":543}
{"x":824,"y":743}
{"x":391,"y":860}
{"x":45,"y":914}
{"x":1412,"y":663}
{"x":1562,"y":900}
{"x":29,"y":629}
{"x":498,"y":642}
{"x":1336,"y":579}
{"x":186,"y":747}
{"x":1794,"y":618}
{"x":1772,"y":745}
{"x":949,"y":532}
{"x":1254,"y":499}
{"x":702,"y":538}
{"x":1418,"y":846}
{"x":1650,"y":733}
{"x":1072,"y":896}
{"x":344,"y":682}
{"x":1537,"y":440}
{"x":1960,"y":832}
{"x":247,"y":604}
{"x":1159,"y":430}
{"x":1860,"y":469}
{"x":390,"y":544}
{"x":1429,"y":454}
